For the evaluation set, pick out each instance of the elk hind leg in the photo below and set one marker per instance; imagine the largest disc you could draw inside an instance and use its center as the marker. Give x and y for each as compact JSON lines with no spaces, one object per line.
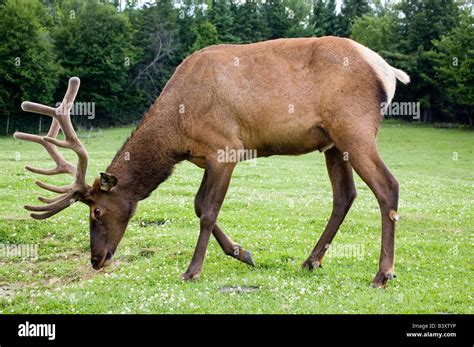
{"x":344,"y":193}
{"x":368,"y":164}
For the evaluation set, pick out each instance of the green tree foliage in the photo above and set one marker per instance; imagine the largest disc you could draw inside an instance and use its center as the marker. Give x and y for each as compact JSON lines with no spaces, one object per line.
{"x":220,"y":15}
{"x":421,"y":23}
{"x":156,"y":36}
{"x":94,"y":42}
{"x":453,"y":56}
{"x":424,"y":21}
{"x":299,"y":16}
{"x":324,"y":18}
{"x":250,"y":25}
{"x":277,"y":18}
{"x":190,"y":15}
{"x":206,"y":35}
{"x":350,"y":11}
{"x":28,"y":70}
{"x":378,"y":33}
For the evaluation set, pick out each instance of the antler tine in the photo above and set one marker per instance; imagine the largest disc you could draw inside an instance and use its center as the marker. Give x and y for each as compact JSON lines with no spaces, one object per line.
{"x":72,"y":142}
{"x":64,"y":201}
{"x":71,"y":93}
{"x":28,"y":106}
{"x":62,"y":165}
{"x":55,"y":189}
{"x":51,"y":200}
{"x":47,"y":214}
{"x":61,"y":121}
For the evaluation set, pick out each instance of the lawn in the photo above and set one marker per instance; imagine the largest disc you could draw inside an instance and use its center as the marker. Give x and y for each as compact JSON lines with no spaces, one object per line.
{"x":277,"y":209}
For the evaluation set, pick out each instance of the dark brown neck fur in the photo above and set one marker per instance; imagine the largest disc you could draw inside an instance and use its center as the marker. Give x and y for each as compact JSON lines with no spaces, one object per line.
{"x":147,"y":158}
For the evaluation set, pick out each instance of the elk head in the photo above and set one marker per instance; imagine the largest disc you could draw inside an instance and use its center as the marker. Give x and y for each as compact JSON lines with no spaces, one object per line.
{"x":110,"y":210}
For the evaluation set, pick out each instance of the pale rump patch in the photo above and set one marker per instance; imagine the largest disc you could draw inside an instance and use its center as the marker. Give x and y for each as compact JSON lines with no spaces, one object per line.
{"x":387,"y":74}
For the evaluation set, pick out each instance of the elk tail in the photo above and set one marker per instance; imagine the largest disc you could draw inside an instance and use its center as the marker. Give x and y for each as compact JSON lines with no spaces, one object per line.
{"x":401,"y":75}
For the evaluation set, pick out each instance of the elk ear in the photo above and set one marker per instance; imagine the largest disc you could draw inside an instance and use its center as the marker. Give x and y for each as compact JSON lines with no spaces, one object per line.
{"x":107,"y":182}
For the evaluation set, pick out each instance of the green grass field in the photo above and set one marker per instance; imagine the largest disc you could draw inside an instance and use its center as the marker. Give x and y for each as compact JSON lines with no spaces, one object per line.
{"x":277,"y":209}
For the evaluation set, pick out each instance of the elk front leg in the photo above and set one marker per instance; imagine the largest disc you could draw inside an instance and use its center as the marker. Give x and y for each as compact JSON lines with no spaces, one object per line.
{"x":217,"y":182}
{"x":229,"y":247}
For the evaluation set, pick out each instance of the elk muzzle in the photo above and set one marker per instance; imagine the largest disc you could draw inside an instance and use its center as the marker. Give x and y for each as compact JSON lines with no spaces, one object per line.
{"x":99,"y":262}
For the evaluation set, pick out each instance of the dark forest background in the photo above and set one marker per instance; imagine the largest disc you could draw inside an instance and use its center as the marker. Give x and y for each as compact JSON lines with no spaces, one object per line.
{"x":125,"y":51}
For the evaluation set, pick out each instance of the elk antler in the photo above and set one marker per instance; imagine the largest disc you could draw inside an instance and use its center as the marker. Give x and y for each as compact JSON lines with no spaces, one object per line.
{"x":61,"y":120}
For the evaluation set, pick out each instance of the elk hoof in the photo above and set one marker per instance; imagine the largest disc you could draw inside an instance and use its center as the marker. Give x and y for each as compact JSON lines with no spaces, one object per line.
{"x":190,"y":276}
{"x":243,"y":255}
{"x":379,"y":285}
{"x":311,"y":264}
{"x":380,"y":280}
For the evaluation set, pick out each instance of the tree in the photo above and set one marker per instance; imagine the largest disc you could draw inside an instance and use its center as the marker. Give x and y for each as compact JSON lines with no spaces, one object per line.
{"x":324,"y":18}
{"x":425,"y":21}
{"x":250,"y":24}
{"x":206,"y":35}
{"x":156,"y":33}
{"x":94,"y":42}
{"x":277,"y":18}
{"x":332,"y":26}
{"x":350,"y":11}
{"x":422,"y":22}
{"x":220,"y":15}
{"x":453,"y":61}
{"x":27,"y":70}
{"x":190,"y":14}
{"x":377,"y":32}
{"x":299,"y":16}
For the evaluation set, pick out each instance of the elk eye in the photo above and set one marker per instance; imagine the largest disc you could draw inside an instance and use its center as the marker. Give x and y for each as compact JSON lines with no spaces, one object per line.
{"x":97,"y":212}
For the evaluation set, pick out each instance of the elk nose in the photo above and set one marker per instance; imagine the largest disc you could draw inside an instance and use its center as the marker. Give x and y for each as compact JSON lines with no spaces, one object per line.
{"x":95,"y":262}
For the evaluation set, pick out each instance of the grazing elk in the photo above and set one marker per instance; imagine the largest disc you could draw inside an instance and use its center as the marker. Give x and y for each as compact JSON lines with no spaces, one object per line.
{"x":286,"y":96}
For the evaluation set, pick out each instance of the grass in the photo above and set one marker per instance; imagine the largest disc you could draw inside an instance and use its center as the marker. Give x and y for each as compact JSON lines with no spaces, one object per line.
{"x":277,"y":209}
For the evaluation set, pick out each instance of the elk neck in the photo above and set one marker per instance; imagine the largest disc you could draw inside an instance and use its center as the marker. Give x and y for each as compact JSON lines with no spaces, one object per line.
{"x":148,"y":157}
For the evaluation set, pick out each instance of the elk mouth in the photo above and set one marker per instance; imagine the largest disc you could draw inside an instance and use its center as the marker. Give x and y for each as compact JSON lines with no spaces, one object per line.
{"x":99,"y":263}
{"x":108,"y":258}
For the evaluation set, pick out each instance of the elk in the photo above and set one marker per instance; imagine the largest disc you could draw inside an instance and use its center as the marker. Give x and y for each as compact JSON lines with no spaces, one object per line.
{"x":278,"y":97}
